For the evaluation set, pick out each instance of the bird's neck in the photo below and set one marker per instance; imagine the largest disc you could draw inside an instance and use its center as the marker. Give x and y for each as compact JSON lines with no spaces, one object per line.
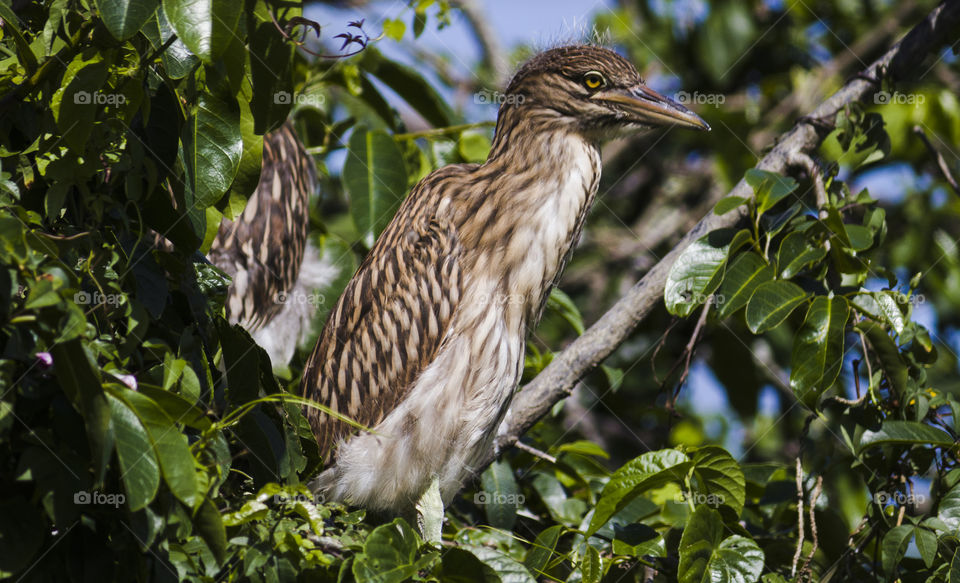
{"x":541,"y":181}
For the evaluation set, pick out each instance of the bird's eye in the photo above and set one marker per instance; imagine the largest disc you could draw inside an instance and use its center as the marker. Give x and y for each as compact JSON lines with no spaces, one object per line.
{"x":594,"y":80}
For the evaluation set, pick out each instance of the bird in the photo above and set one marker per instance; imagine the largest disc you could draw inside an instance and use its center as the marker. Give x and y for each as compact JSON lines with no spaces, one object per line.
{"x":273,"y":267}
{"x":425,"y":346}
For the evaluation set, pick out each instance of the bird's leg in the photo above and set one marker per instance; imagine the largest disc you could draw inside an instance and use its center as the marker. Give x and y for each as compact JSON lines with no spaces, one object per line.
{"x":430,"y":512}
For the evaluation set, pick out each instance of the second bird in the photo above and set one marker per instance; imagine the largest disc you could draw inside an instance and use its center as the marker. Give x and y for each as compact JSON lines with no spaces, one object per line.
{"x":426,"y":344}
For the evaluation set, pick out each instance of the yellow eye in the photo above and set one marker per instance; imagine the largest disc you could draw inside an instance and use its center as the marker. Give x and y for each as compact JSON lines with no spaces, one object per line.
{"x":593,"y":80}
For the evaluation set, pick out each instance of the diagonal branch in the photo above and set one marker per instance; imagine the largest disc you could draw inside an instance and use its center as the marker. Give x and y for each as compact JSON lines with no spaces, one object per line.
{"x":558,"y":379}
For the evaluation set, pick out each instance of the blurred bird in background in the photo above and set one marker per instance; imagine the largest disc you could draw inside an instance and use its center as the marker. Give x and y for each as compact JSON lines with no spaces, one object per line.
{"x":426,"y":343}
{"x":267,"y":253}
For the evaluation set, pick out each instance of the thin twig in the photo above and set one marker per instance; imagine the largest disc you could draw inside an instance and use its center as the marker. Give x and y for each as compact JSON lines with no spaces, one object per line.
{"x":434,"y":132}
{"x":688,"y":350}
{"x":944,"y":169}
{"x":536,"y":452}
{"x":796,"y":556}
{"x":805,"y":570}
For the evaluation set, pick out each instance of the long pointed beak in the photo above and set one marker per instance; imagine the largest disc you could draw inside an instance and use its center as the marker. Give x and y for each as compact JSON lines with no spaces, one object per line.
{"x":652,"y":108}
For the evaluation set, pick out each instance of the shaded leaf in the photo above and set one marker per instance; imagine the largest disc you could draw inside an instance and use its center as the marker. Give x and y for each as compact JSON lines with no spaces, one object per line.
{"x":207,"y":27}
{"x":771,"y":303}
{"x":696,"y":273}
{"x":375,"y":179}
{"x":818,"y":348}
{"x":124,"y":18}
{"x":743,"y":276}
{"x":139,"y":469}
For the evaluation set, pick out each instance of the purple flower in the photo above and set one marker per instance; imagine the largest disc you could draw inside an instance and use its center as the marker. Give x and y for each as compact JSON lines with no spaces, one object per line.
{"x":127,"y":379}
{"x":45,"y":359}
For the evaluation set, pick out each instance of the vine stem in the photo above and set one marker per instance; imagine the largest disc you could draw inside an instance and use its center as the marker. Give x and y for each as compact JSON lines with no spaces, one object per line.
{"x":443,"y":131}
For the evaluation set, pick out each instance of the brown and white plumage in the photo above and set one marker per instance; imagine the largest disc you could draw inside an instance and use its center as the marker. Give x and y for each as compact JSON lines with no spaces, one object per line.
{"x":266,"y":252}
{"x":426,"y":343}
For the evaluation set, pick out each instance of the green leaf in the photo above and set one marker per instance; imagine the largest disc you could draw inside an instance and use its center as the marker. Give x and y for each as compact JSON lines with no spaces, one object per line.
{"x":861,"y":238}
{"x":728,"y":203}
{"x":388,"y":554}
{"x":706,"y":556}
{"x":591,"y":566}
{"x":207,"y":27}
{"x":375,"y":179}
{"x":719,"y":476}
{"x":474,"y":147}
{"x":563,"y":305}
{"x":210,"y":527}
{"x":542,"y":551}
{"x":796,"y":253}
{"x":696,"y":273}
{"x":76,"y":104}
{"x":178,"y":61}
{"x":179,"y":408}
{"x":459,"y":565}
{"x":394,"y":28}
{"x":818,"y":348}
{"x":500,"y":495}
{"x":888,"y":354}
{"x":771,"y":303}
{"x":906,"y":433}
{"x":743,"y":276}
{"x":75,"y":372}
{"x":894,"y":546}
{"x":949,"y":508}
{"x":248,"y":171}
{"x":212,"y":147}
{"x":170,"y":446}
{"x":509,"y":570}
{"x":889,"y":308}
{"x":272,"y":88}
{"x":650,"y":470}
{"x":139,"y":469}
{"x":926,"y":545}
{"x":768,"y":187}
{"x":124,"y":18}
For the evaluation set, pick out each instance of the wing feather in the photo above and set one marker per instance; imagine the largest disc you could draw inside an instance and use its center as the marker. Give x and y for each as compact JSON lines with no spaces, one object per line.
{"x":387,"y":325}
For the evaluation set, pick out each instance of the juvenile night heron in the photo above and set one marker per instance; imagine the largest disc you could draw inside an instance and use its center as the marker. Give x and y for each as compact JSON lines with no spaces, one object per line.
{"x":267,"y":254}
{"x":426,"y":344}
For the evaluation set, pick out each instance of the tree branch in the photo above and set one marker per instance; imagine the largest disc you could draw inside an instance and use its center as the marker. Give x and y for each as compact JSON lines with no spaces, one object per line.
{"x":557,"y":380}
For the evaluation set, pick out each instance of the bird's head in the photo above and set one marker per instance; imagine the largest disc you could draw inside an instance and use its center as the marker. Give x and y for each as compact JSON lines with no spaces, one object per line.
{"x":594,"y":90}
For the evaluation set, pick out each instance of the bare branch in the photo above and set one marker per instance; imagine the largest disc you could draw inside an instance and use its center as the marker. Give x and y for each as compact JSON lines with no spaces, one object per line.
{"x":557,"y":380}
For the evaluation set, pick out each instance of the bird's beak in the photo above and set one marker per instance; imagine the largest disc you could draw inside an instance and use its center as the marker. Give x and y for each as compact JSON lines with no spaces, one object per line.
{"x":652,"y":108}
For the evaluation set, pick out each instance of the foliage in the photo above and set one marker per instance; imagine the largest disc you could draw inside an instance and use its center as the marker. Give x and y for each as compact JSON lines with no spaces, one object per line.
{"x":143,"y":438}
